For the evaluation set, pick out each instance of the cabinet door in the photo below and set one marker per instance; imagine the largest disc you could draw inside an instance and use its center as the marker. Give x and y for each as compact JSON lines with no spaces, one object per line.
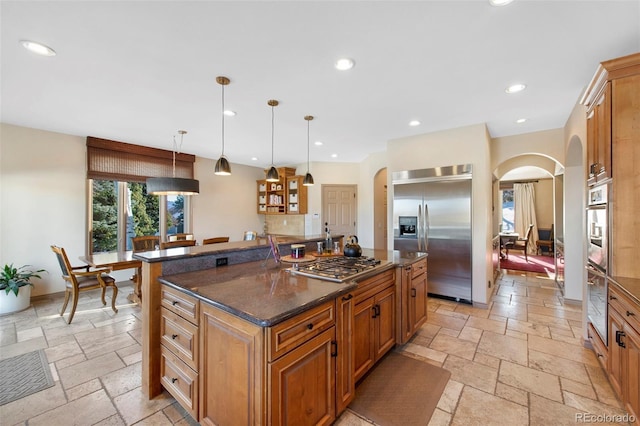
{"x":404,"y":306}
{"x":303,"y":384}
{"x":363,"y":338}
{"x":418,"y":302}
{"x":385,"y":322}
{"x":603,"y":135}
{"x":345,"y":384}
{"x":632,"y":373}
{"x":616,"y":352}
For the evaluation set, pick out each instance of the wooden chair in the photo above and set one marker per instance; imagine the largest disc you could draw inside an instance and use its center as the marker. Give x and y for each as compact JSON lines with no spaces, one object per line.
{"x":520,"y":244}
{"x":180,"y":237}
{"x":249,"y":235}
{"x":81,"y":278}
{"x":179,"y":243}
{"x":548,"y":244}
{"x":145,"y":243}
{"x":215,"y":240}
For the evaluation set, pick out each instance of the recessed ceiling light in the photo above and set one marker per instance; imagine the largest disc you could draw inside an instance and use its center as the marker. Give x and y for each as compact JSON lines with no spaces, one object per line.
{"x":334,"y":155}
{"x":521,"y":120}
{"x":254,"y":158}
{"x":317,"y":143}
{"x":38,"y":48}
{"x":229,"y":113}
{"x":515,"y":88}
{"x":499,"y":2}
{"x":414,"y":123}
{"x":344,"y":64}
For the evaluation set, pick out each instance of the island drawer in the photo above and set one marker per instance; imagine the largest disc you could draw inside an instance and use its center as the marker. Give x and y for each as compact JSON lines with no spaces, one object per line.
{"x":292,"y":333}
{"x":598,"y":346}
{"x":179,"y":380}
{"x":625,"y":306}
{"x":186,"y":306}
{"x":418,"y":268}
{"x":180,"y":337}
{"x":374,"y":285}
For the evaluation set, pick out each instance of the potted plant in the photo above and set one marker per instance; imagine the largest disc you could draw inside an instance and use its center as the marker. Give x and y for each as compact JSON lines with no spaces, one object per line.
{"x":15,"y":287}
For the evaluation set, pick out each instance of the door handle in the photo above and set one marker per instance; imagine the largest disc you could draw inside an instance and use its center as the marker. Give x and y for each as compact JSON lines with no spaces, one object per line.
{"x":334,"y":349}
{"x":619,"y":335}
{"x":413,"y":292}
{"x":349,"y":297}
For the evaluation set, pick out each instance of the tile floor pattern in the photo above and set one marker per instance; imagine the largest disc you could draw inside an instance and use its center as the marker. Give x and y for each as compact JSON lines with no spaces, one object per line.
{"x":520,"y":362}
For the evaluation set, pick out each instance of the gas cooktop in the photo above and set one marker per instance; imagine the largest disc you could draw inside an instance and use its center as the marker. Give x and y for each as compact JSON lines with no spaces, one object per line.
{"x":339,"y":268}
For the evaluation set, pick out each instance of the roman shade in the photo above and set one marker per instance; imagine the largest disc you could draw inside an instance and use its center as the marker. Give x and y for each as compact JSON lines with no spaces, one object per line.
{"x":112,"y":160}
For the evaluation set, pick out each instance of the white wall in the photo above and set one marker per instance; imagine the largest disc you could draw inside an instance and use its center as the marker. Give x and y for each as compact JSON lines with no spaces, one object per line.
{"x":465,"y":145}
{"x":42,"y":201}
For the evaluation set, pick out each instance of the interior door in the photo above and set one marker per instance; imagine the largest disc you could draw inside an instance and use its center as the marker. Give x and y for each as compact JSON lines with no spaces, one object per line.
{"x":339,"y":209}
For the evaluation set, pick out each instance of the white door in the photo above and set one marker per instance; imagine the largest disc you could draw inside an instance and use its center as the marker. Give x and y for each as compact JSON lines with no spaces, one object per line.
{"x":339,"y":209}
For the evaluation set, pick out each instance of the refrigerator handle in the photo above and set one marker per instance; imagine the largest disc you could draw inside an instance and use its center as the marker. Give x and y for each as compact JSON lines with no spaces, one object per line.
{"x":419,"y":230}
{"x":426,"y":226}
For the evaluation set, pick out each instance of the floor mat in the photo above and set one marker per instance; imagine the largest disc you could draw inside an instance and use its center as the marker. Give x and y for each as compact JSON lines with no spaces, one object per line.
{"x":23,"y":375}
{"x":539,"y":264}
{"x":400,"y":391}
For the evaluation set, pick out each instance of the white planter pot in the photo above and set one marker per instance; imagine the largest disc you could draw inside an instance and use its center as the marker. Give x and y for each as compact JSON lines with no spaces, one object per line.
{"x":12,"y":303}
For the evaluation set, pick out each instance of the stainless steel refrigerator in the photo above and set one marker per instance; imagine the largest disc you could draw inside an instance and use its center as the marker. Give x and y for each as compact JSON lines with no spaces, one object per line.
{"x":432,"y":213}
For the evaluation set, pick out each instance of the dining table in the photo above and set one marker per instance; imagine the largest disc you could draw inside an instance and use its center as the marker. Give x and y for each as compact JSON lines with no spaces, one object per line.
{"x":506,"y":237}
{"x":116,"y":261}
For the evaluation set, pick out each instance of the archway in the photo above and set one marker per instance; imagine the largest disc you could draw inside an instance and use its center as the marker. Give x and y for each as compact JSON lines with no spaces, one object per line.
{"x":380,"y":210}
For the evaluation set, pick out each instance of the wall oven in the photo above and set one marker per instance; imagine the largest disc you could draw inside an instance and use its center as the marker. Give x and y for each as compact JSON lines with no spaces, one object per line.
{"x":597,"y":301}
{"x":598,"y":227}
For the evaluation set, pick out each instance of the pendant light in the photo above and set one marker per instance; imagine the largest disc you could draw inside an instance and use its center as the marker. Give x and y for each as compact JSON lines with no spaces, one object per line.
{"x":272,"y":174}
{"x":223,"y":168}
{"x":308,"y":179}
{"x":173,"y":185}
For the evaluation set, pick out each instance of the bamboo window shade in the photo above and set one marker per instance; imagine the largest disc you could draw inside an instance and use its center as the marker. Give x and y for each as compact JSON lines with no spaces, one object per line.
{"x":111,"y":160}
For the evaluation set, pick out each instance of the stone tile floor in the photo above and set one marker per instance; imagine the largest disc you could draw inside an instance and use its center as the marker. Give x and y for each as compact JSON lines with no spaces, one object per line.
{"x":520,"y":362}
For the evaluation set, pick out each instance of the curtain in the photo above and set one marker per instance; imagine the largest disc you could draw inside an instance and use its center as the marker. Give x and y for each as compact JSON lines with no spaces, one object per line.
{"x":524,"y":213}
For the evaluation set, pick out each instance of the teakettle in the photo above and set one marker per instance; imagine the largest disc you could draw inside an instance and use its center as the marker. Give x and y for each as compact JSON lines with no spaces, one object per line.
{"x":352,"y":248}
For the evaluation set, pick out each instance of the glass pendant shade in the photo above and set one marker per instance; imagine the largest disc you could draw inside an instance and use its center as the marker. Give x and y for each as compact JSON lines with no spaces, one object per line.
{"x":173,"y":185}
{"x":308,"y":180}
{"x":273,"y":175}
{"x":222,"y":167}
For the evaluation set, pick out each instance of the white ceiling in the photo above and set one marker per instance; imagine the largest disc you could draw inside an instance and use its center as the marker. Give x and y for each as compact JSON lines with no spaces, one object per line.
{"x":137,"y":71}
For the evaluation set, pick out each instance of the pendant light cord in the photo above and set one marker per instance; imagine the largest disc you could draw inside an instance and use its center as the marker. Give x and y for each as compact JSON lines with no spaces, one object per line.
{"x":308,"y":124}
{"x":222,"y":119}
{"x":272,"y":121}
{"x":177,"y":148}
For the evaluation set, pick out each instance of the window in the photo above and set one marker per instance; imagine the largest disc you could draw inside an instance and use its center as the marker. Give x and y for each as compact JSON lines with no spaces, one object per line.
{"x":119,"y":206}
{"x":507,"y":210}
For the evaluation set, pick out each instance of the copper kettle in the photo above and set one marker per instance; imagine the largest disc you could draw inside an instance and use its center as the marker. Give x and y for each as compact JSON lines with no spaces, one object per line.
{"x":352,"y":248}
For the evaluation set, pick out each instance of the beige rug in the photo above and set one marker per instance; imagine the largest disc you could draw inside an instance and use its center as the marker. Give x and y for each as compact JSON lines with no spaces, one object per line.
{"x":400,"y":391}
{"x":23,"y":375}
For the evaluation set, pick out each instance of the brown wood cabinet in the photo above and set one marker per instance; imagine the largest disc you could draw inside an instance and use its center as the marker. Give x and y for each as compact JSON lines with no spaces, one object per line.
{"x":613,"y":107}
{"x":624,"y":349}
{"x":601,"y":350}
{"x":287,"y":196}
{"x":179,"y":338}
{"x":412,"y":299}
{"x":374,"y":321}
{"x":345,"y":379}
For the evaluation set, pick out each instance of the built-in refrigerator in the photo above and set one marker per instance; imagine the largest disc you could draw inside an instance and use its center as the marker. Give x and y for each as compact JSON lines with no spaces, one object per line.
{"x":432,"y":214}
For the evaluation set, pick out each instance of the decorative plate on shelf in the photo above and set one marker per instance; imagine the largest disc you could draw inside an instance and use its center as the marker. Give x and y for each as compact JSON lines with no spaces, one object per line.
{"x":304,"y":259}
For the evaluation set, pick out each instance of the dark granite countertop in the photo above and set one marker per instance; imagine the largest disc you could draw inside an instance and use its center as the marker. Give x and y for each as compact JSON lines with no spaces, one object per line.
{"x":267,"y":295}
{"x":263,"y":295}
{"x":234,"y":246}
{"x":631,"y":286}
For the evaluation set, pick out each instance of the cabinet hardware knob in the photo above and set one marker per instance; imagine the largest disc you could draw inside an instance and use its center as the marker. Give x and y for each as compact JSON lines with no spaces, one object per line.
{"x":310,"y":326}
{"x":600,"y":356}
{"x":173,"y":336}
{"x":631,"y":314}
{"x":613,"y":298}
{"x":174,"y":303}
{"x":173,"y":380}
{"x":348,"y":297}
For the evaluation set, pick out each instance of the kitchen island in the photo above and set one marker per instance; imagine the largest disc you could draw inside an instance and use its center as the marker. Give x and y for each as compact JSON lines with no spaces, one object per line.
{"x":256,"y":343}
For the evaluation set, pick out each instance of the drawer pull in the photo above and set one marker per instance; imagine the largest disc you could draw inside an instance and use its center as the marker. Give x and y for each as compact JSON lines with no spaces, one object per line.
{"x":173,"y":380}
{"x":349,"y":297}
{"x":174,"y":303}
{"x":600,"y":356}
{"x":376,"y":311}
{"x":173,"y":336}
{"x":631,"y":314}
{"x":310,"y":326}
{"x":334,"y":348}
{"x":613,"y":298}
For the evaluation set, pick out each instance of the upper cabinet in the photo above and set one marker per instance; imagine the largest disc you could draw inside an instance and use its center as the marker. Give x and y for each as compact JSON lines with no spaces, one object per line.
{"x":287,"y":196}
{"x":599,"y":136}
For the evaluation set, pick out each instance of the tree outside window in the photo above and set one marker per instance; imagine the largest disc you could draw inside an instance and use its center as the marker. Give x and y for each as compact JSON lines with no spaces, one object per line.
{"x":508,"y":211}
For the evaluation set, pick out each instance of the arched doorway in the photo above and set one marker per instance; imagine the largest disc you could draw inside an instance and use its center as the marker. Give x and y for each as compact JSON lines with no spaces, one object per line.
{"x":380,"y":210}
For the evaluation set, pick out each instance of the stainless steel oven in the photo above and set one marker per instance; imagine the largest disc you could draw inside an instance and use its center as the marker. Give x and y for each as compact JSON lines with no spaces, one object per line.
{"x":598,"y":227}
{"x":597,"y":301}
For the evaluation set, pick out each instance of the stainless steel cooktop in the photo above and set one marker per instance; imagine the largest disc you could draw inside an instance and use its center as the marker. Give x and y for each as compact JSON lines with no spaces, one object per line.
{"x":339,"y":268}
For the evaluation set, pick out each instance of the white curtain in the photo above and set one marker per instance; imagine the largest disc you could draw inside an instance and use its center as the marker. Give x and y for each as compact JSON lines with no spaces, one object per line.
{"x":524,"y":200}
